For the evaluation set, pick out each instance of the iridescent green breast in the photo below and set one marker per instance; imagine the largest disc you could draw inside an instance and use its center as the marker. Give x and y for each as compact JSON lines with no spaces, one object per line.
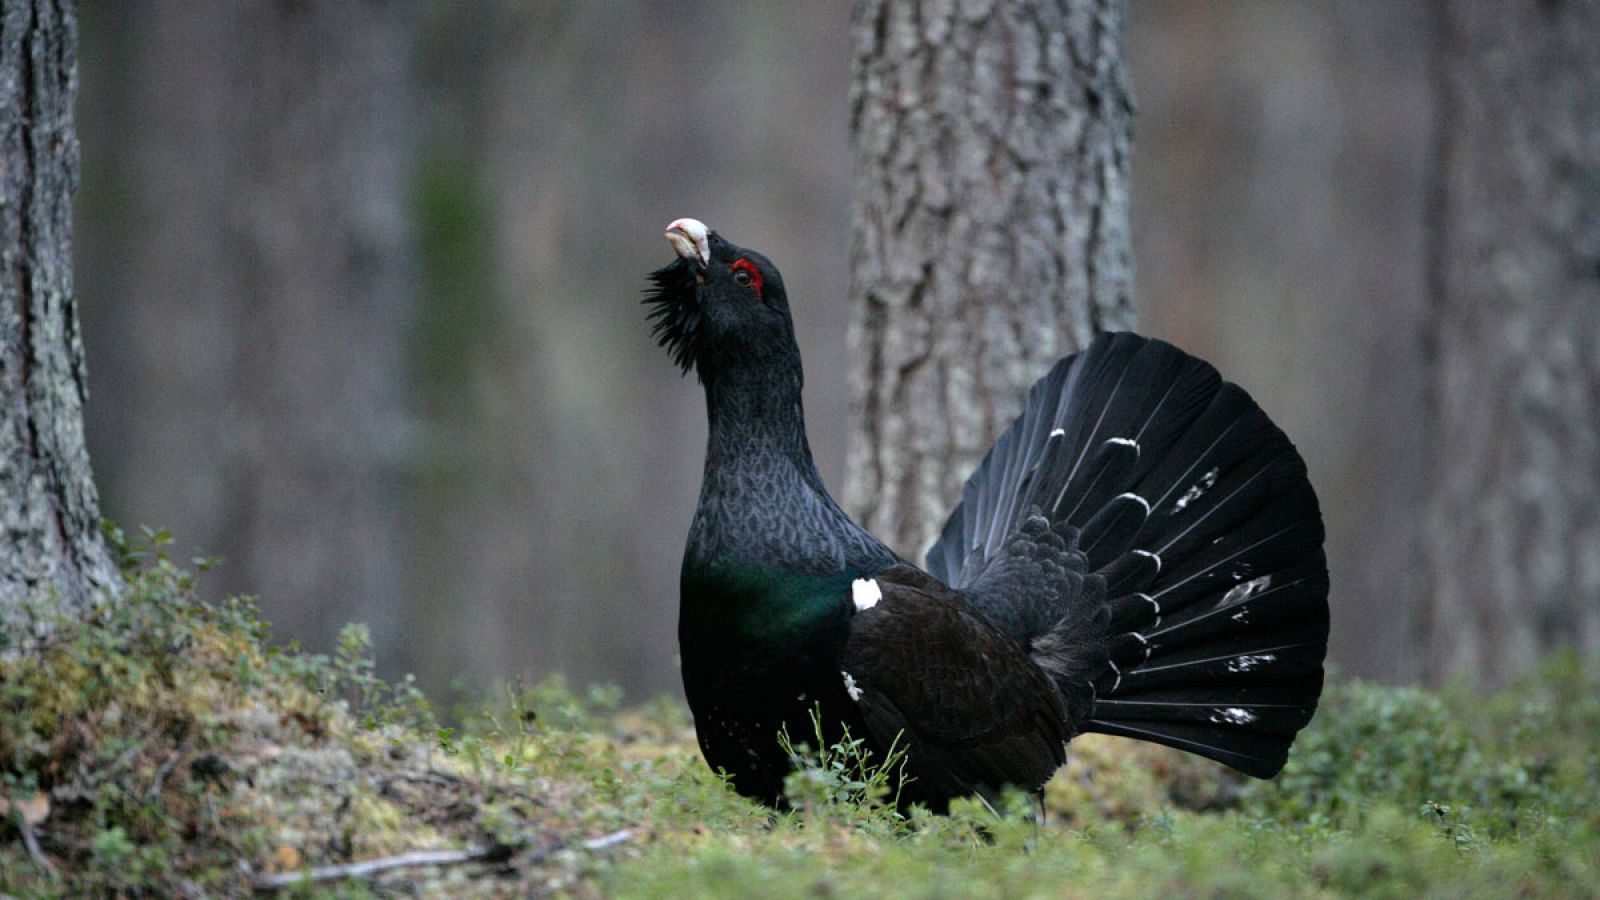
{"x":741,"y":609}
{"x":760,"y":653}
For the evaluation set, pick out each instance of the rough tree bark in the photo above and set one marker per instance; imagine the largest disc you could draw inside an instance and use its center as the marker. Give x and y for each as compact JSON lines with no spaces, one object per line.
{"x":991,"y":232}
{"x":52,"y":556}
{"x":262,"y":319}
{"x":1511,"y":532}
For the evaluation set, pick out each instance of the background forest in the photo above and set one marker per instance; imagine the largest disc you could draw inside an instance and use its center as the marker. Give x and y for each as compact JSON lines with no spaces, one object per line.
{"x":359,"y":297}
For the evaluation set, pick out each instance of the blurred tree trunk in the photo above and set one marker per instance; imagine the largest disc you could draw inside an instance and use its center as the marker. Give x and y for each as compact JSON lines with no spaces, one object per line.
{"x":1285,"y":151}
{"x":1512,"y":527}
{"x":52,"y":556}
{"x":991,"y":232}
{"x":262,"y":331}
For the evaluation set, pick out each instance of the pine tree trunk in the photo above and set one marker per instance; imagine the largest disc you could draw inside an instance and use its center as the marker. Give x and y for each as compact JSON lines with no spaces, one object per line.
{"x":1511,"y":539}
{"x":991,"y":232}
{"x":52,"y":556}
{"x":263,"y":318}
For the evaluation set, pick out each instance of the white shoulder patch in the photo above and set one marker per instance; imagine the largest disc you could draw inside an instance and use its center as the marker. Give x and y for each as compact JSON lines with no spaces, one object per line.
{"x":865,"y":593}
{"x":850,"y":686}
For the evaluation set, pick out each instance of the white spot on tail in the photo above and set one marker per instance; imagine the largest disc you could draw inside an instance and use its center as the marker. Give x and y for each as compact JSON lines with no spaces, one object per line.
{"x":1250,"y":661}
{"x":1144,"y":643}
{"x":1142,"y":501}
{"x":1058,"y":432}
{"x":1245,"y":591}
{"x":1195,"y":490}
{"x":850,"y":686}
{"x":865,"y":593}
{"x":1157,"y":605}
{"x":1232,"y":715}
{"x":1128,"y":442}
{"x":1154,"y":556}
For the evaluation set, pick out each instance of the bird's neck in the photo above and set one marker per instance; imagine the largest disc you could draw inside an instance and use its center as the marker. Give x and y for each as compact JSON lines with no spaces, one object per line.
{"x":762,"y":502}
{"x":762,"y":576}
{"x":756,"y":419}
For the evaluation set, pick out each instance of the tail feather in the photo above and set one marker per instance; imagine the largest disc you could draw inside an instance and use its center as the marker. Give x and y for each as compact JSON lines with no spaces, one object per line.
{"x":1268,"y":663}
{"x":1251,"y":753}
{"x":1107,"y":536}
{"x":1194,"y":510}
{"x":1111,"y":467}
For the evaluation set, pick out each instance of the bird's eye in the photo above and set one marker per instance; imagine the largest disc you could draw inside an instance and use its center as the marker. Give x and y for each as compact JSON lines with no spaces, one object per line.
{"x":745,"y":274}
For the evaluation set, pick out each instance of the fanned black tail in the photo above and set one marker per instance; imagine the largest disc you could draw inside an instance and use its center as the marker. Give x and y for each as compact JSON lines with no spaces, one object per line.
{"x":1195,"y":510}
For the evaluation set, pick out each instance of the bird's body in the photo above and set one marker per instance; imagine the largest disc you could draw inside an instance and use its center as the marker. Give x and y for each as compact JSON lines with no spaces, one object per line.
{"x":1140,"y":554}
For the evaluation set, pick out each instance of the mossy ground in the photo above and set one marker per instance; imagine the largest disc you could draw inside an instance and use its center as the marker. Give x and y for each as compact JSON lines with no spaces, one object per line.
{"x":167,"y":749}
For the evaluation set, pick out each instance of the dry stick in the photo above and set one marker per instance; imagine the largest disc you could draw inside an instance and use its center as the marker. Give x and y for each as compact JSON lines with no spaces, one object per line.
{"x":370,"y":867}
{"x":31,"y":841}
{"x":162,"y":772}
{"x":610,"y":840}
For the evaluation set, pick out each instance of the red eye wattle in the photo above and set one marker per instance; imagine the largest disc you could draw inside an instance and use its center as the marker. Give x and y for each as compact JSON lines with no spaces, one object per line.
{"x":745,"y":274}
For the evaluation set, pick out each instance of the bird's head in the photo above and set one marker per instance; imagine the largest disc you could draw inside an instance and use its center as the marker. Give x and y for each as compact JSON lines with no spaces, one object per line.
{"x":717,"y":305}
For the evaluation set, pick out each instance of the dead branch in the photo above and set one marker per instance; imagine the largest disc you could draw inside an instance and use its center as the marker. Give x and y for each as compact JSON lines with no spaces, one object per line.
{"x":371,"y":867}
{"x":31,"y":841}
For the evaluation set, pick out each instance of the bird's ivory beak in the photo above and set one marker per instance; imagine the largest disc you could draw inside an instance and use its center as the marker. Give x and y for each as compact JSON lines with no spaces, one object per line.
{"x":690,"y":239}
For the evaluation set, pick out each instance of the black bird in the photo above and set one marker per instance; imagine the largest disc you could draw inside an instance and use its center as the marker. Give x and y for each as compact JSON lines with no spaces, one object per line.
{"x":1140,"y":554}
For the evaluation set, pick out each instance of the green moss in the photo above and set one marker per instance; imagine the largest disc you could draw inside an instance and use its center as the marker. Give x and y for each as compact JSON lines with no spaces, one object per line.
{"x":157,"y":748}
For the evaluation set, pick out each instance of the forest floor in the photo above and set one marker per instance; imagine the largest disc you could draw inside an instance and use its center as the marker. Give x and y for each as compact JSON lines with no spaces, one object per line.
{"x":169,"y":749}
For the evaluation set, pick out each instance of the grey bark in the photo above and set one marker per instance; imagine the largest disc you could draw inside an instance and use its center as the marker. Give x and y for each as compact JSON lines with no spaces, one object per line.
{"x":1511,"y":535}
{"x":262,"y":320}
{"x":991,"y":232}
{"x":52,"y":556}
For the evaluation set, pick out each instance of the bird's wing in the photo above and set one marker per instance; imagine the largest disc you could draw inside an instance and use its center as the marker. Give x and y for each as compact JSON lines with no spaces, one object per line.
{"x":973,"y":712}
{"x":1038,"y":590}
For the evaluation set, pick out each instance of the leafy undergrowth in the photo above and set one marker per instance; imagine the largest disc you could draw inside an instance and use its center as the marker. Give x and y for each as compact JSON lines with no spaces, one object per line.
{"x":167,"y":749}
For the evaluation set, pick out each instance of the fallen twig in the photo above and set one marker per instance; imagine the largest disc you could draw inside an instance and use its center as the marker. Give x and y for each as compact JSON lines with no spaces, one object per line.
{"x":165,"y":769}
{"x":31,"y":841}
{"x":370,"y":867}
{"x":609,"y":840}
